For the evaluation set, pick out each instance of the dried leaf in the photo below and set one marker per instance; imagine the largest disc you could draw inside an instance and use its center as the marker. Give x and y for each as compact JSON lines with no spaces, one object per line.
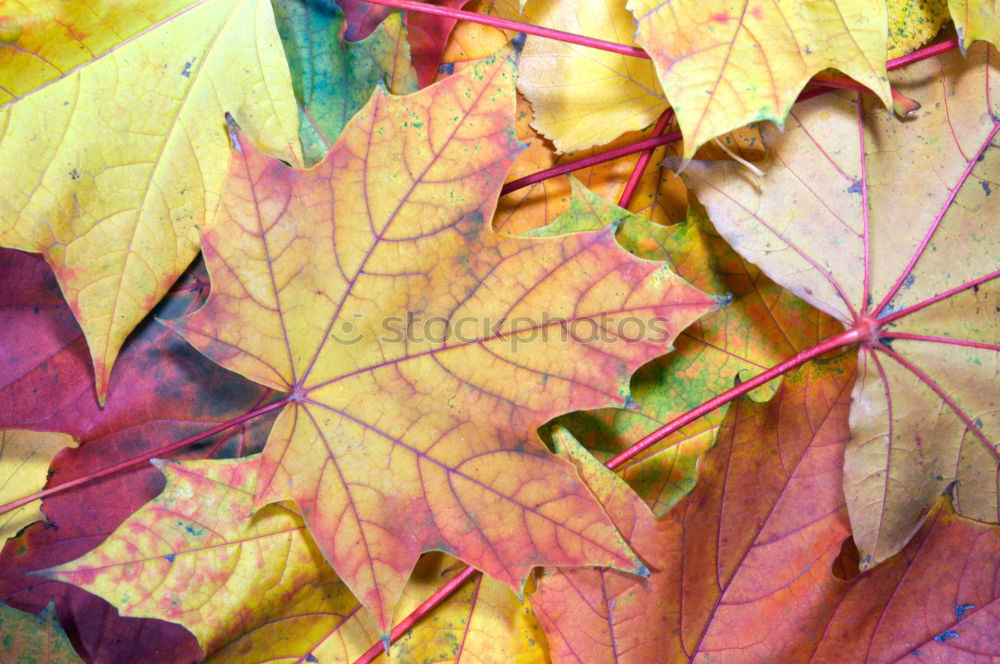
{"x":755,"y":537}
{"x":483,"y":622}
{"x":332,"y":78}
{"x":582,"y":97}
{"x":27,"y":638}
{"x":976,"y":19}
{"x":162,"y":392}
{"x":762,"y":325}
{"x":428,"y":33}
{"x":199,"y":556}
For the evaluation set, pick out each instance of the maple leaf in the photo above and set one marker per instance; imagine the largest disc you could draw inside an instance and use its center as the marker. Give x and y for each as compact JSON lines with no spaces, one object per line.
{"x":321,"y":622}
{"x":24,"y":465}
{"x":583,"y":97}
{"x":333,"y":78}
{"x":752,"y":59}
{"x":923,"y":415}
{"x":301,"y":304}
{"x":484,"y":622}
{"x":112,"y":190}
{"x":742,"y":544}
{"x":200,"y":556}
{"x":34,"y":638}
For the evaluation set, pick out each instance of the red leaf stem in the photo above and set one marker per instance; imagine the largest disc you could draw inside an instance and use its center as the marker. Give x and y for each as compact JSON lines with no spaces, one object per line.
{"x":939,"y":340}
{"x":851,"y":336}
{"x":625,"y":150}
{"x":640,"y":165}
{"x":518,"y":26}
{"x":922,"y":54}
{"x":428,"y":605}
{"x":883,"y":320}
{"x":59,"y":488}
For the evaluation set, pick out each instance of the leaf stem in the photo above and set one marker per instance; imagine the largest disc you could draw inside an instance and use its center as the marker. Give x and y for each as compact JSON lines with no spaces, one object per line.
{"x":932,"y":229}
{"x":851,"y":336}
{"x":640,"y":165}
{"x":59,"y":488}
{"x":939,"y":340}
{"x":535,"y":178}
{"x":426,"y":607}
{"x":517,"y":26}
{"x":883,"y":320}
{"x":922,"y":54}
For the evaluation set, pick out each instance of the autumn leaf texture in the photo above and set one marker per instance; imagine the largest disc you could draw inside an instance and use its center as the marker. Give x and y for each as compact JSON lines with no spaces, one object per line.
{"x":492,"y":331}
{"x":441,"y":414}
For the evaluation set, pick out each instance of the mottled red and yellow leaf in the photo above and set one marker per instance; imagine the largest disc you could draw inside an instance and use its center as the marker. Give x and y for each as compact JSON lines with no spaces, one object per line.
{"x":199,"y":556}
{"x":410,"y":427}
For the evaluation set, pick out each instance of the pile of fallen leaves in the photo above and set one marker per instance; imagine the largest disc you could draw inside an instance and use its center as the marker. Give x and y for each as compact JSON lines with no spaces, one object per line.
{"x":300,"y":314}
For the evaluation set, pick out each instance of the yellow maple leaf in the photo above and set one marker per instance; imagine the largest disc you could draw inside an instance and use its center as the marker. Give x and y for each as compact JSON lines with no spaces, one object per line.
{"x":748,"y":60}
{"x":112,"y":146}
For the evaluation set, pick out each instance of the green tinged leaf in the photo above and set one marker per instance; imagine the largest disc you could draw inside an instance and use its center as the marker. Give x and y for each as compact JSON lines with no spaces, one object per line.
{"x":333,"y":78}
{"x":27,"y":638}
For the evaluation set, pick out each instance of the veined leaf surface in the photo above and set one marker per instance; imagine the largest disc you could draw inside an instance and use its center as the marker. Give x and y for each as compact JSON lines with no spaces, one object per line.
{"x":902,"y":238}
{"x":24,"y":468}
{"x":198,"y":555}
{"x":748,"y":60}
{"x":399,"y":439}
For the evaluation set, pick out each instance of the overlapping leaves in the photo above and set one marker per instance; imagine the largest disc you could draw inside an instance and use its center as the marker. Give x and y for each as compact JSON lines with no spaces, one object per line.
{"x":128,"y":164}
{"x":391,"y":448}
{"x":924,"y":410}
